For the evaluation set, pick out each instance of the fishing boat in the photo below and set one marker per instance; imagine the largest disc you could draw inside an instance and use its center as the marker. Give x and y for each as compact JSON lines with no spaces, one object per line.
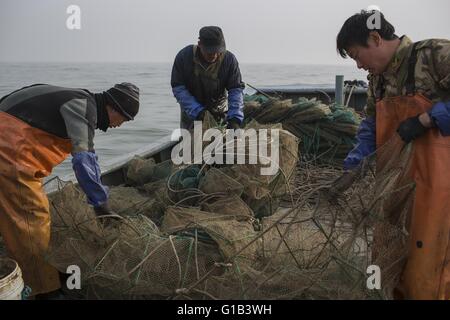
{"x":262,"y":240}
{"x":349,"y":93}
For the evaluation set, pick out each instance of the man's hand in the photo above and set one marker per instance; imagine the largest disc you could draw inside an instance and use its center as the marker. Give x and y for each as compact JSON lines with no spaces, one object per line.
{"x":201,"y":115}
{"x":413,"y":128}
{"x":342,"y":183}
{"x":104,"y":209}
{"x":345,"y":181}
{"x":233,"y":124}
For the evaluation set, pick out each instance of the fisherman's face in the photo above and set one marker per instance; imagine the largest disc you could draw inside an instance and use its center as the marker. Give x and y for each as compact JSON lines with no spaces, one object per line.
{"x":373,"y":57}
{"x":208,"y":57}
{"x":115,"y":118}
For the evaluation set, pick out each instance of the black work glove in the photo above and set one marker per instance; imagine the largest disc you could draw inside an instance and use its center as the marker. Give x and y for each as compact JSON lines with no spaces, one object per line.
{"x":104,"y":209}
{"x":233,"y":124}
{"x":411,"y":129}
{"x":342,"y":183}
{"x":201,"y":115}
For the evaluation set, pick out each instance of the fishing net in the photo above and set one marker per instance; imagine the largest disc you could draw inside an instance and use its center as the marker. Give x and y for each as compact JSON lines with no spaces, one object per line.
{"x":228,"y":232}
{"x":230,"y":205}
{"x":230,"y":235}
{"x":209,"y":183}
{"x":136,"y":202}
{"x":392,"y":206}
{"x":326,"y":132}
{"x":126,"y":257}
{"x":142,"y":171}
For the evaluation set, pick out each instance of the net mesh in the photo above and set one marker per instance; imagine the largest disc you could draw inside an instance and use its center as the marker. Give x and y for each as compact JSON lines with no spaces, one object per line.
{"x":325,"y":131}
{"x":223,"y":232}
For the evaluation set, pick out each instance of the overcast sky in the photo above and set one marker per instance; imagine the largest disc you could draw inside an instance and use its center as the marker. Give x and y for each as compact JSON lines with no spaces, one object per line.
{"x":259,"y":31}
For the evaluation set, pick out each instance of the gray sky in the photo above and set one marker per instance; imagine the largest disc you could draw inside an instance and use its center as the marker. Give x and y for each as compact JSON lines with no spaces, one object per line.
{"x":259,"y":31}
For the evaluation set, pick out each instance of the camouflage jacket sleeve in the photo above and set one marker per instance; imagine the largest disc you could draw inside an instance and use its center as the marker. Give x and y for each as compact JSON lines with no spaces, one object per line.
{"x":435,"y":60}
{"x":441,"y":58}
{"x":370,"y":106}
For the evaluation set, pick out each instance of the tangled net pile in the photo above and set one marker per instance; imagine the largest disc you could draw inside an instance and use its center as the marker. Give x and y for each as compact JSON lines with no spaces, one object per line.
{"x":325,"y":131}
{"x":226,"y":232}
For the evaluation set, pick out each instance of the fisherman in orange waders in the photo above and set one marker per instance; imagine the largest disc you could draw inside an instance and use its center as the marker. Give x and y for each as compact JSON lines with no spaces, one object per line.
{"x":408,"y":96}
{"x":40,"y":126}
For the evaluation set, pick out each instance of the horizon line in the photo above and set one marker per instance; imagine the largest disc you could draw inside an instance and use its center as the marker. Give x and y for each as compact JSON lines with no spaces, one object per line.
{"x":167,"y":62}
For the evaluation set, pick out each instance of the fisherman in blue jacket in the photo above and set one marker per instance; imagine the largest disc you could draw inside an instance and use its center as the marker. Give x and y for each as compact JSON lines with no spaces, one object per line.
{"x":202,"y":75}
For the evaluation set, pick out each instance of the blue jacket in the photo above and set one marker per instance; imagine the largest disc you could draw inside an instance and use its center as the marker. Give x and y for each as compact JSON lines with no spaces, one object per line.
{"x":229,"y":77}
{"x":366,"y":143}
{"x":440,"y":114}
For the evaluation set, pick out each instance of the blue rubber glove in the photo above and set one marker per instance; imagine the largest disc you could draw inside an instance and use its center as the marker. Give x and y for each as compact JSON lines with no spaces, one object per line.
{"x":187,"y":101}
{"x":236,"y":104}
{"x":366,"y":144}
{"x":87,"y":171}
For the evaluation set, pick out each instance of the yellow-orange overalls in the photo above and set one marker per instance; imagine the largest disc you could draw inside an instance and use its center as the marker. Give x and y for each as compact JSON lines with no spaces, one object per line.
{"x":426,"y":274}
{"x":27,"y":155}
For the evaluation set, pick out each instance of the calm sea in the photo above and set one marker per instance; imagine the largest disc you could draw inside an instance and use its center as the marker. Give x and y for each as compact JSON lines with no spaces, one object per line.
{"x":159,"y":112}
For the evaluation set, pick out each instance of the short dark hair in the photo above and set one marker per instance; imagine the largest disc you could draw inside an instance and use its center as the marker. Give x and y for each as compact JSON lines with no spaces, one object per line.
{"x":355,"y":31}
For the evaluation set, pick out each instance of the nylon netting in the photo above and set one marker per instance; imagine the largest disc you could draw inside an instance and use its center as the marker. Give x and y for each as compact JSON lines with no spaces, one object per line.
{"x":225,"y":232}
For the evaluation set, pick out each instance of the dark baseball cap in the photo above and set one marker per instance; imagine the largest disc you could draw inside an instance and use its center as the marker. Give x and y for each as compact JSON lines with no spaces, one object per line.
{"x":212,"y":40}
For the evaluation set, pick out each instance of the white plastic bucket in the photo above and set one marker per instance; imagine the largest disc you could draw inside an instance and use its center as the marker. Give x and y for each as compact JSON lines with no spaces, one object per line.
{"x":11,"y":282}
